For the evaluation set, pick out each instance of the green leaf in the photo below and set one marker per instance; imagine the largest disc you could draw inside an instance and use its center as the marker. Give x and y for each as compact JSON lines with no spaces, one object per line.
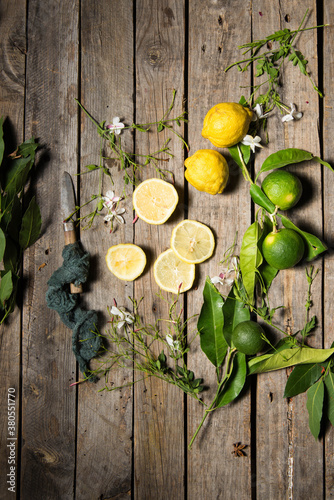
{"x":210,"y":325}
{"x":250,"y":258}
{"x":329,"y":383}
{"x":246,"y":154}
{"x":92,"y":167}
{"x":261,"y":199}
{"x":288,"y":357}
{"x":235,"y":382}
{"x":296,"y":57}
{"x":6,"y":287}
{"x":313,"y":245}
{"x":234,"y":312}
{"x":160,"y":127}
{"x":309,"y":326}
{"x":283,"y":158}
{"x":315,"y":400}
{"x":301,"y":378}
{"x":2,"y":244}
{"x":2,"y":144}
{"x":31,"y":225}
{"x":323,"y":162}
{"x":11,"y":258}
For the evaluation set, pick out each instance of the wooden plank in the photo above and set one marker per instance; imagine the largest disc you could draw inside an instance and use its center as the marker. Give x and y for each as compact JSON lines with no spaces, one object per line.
{"x":213,"y":471}
{"x":328,"y":154}
{"x":158,"y":410}
{"x":104,"y":450}
{"x":48,"y":364}
{"x":284,"y":442}
{"x":12,"y":56}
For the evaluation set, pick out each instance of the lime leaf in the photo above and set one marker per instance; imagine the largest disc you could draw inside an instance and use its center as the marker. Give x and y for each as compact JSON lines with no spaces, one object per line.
{"x":261,"y":199}
{"x":234,"y":312}
{"x":301,"y":378}
{"x":250,"y":258}
{"x":314,"y":246}
{"x":245,"y":151}
{"x":323,"y":162}
{"x":31,"y":225}
{"x":315,"y":400}
{"x":329,"y":383}
{"x":288,"y":357}
{"x":210,"y":325}
{"x":235,"y":382}
{"x":283,"y":158}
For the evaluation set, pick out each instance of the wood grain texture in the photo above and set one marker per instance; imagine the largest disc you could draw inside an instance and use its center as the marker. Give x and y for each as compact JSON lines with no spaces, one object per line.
{"x":104,"y":446}
{"x":48,"y":364}
{"x":213,"y":471}
{"x":12,"y":55}
{"x":158,"y":410}
{"x":328,"y":154}
{"x":282,"y":426}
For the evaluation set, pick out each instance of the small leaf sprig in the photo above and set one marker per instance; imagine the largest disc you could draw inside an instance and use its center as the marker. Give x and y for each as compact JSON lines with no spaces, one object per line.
{"x":130,"y":163}
{"x":270,"y":62}
{"x":133,"y":344}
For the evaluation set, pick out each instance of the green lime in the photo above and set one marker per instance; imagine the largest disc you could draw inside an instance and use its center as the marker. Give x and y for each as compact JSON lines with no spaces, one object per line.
{"x":282,"y":188}
{"x":247,"y":337}
{"x":283,"y":249}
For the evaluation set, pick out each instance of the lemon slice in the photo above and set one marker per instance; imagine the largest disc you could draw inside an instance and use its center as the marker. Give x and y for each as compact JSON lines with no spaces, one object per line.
{"x":154,"y":200}
{"x":170,"y":272}
{"x":126,"y":261}
{"x":192,"y":241}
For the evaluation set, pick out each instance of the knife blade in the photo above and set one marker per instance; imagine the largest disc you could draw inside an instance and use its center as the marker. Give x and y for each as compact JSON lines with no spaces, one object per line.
{"x":68,"y":207}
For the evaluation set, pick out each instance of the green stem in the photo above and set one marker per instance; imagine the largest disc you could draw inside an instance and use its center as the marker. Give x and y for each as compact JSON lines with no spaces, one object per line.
{"x":211,"y":407}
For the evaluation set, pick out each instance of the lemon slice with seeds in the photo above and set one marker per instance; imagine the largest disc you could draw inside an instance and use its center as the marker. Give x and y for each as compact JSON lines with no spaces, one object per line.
{"x":172,"y":273}
{"x":126,"y":261}
{"x":154,"y":200}
{"x":192,"y":241}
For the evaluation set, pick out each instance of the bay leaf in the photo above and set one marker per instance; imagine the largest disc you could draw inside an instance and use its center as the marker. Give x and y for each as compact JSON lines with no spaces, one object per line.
{"x":6,"y":287}
{"x":31,"y":225}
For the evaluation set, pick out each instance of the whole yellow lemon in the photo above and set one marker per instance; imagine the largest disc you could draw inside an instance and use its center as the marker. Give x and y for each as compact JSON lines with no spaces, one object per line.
{"x":207,"y":170}
{"x":226,"y":124}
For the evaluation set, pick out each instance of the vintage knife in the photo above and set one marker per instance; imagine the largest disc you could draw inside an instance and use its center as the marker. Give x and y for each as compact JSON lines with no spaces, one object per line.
{"x":68,"y":207}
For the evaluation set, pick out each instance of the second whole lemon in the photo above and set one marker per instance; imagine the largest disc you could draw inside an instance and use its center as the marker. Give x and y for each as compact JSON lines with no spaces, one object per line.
{"x":207,"y":170}
{"x":226,"y":124}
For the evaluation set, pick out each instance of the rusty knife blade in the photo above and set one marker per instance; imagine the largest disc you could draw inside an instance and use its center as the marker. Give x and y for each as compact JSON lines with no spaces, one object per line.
{"x":67,"y":201}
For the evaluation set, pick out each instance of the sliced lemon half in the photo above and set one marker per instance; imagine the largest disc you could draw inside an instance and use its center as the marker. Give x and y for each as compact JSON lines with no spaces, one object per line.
{"x":192,"y":241}
{"x":126,"y":261}
{"x":154,"y":200}
{"x":170,"y":272}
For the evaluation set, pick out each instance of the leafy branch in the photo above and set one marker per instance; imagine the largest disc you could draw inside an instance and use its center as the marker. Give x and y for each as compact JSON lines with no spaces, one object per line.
{"x":129,"y":162}
{"x":132,"y":344}
{"x":19,"y":225}
{"x":280,"y":45}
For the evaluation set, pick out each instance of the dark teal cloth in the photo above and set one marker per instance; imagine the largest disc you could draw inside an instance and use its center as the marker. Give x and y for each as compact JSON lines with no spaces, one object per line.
{"x":85,"y":340}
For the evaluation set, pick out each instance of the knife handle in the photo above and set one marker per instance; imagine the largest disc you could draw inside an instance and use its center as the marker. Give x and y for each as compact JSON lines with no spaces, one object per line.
{"x":70,"y":237}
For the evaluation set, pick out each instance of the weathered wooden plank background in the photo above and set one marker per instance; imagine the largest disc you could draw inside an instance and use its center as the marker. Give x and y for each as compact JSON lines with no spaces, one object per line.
{"x":123,"y":58}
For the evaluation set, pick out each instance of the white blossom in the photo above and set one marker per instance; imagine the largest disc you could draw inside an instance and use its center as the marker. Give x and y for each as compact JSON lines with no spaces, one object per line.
{"x":125,"y":318}
{"x":228,"y":275}
{"x":116,"y":125}
{"x":293,"y":115}
{"x":253,"y":142}
{"x":173,"y":344}
{"x":258,"y":112}
{"x":110,"y":199}
{"x":115,"y":213}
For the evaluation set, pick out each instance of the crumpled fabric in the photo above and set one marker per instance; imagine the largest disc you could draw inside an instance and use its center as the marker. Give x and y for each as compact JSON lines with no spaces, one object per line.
{"x":85,"y":339}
